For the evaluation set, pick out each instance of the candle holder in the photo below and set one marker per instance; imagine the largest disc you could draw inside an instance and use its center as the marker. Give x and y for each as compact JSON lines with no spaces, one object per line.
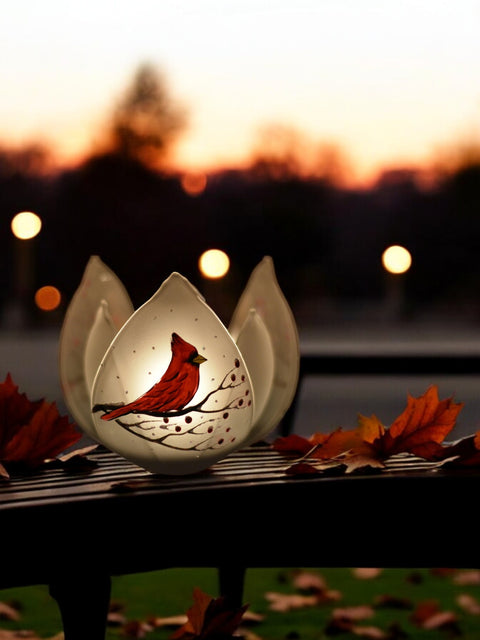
{"x":168,"y":386}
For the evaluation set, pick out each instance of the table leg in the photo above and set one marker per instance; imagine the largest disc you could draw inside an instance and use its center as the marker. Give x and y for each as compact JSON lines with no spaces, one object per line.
{"x":231,"y":583}
{"x":83,"y":597}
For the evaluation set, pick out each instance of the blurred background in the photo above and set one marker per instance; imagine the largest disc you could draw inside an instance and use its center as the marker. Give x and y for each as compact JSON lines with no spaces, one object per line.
{"x":320,"y":132}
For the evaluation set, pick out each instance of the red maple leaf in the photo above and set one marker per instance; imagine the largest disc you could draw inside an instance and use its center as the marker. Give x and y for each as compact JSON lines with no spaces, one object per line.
{"x":209,"y":619}
{"x":423,"y":425}
{"x":419,"y":430}
{"x":464,"y":453}
{"x":31,"y":432}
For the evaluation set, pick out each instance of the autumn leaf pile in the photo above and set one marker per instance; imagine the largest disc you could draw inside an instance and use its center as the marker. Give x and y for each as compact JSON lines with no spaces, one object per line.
{"x":30,"y":432}
{"x":420,"y":430}
{"x":406,"y":614}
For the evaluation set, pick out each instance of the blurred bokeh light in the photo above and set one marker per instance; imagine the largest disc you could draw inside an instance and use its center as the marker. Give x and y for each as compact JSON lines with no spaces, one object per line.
{"x":194,"y":183}
{"x":26,"y":225}
{"x":214,"y":264}
{"x":48,"y":298}
{"x":397,"y":259}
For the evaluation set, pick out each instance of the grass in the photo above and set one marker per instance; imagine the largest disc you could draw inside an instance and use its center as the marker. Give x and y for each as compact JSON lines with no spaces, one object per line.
{"x":169,"y":592}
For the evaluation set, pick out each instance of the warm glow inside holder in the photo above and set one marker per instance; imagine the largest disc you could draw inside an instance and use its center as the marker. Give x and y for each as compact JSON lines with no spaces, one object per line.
{"x":168,"y":386}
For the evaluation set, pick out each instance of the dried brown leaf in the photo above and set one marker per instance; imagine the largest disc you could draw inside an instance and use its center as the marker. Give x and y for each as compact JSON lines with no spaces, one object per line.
{"x":365,"y":573}
{"x":18,"y":635}
{"x":371,"y":633}
{"x":353,"y":614}
{"x":284,"y":602}
{"x":439,"y":620}
{"x":136,"y":629}
{"x":468,"y":577}
{"x":309,"y":581}
{"x":428,"y":615}
{"x":9,"y":612}
{"x":168,"y":621}
{"x":468,"y":603}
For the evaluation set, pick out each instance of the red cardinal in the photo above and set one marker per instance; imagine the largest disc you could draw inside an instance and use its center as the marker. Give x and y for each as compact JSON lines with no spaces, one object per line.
{"x":176,"y":387}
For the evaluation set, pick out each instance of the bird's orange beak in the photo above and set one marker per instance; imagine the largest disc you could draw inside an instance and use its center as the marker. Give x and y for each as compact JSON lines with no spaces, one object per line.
{"x":199,"y":359}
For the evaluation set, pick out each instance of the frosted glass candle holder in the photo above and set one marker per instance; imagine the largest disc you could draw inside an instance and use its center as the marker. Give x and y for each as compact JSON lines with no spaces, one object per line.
{"x":168,"y":386}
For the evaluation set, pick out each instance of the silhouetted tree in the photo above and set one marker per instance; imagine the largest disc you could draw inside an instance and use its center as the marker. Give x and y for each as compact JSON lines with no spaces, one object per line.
{"x":279,"y":153}
{"x":146,"y":122}
{"x":284,"y":153}
{"x":32,"y":160}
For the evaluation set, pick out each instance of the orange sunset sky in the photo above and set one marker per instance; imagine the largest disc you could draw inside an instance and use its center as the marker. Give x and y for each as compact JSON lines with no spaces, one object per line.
{"x":389,"y":82}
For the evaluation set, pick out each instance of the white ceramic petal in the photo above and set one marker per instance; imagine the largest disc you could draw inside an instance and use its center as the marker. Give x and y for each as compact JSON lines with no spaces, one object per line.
{"x":256,"y":347}
{"x":263,"y":294}
{"x":211,"y":424}
{"x":98,"y":283}
{"x":101,"y":335}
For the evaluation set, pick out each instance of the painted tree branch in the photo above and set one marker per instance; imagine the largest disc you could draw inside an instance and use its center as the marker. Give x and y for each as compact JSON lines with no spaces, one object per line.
{"x":199,"y":407}
{"x":166,"y":428}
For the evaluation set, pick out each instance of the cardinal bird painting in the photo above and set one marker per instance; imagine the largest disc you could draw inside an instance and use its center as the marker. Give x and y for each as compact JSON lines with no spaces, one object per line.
{"x":174,"y":390}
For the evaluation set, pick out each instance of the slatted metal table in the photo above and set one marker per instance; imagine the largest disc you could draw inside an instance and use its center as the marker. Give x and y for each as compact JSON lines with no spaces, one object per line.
{"x":75,"y":529}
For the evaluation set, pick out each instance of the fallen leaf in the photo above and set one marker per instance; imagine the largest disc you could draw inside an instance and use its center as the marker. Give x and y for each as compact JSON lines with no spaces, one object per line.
{"x":365,"y":573}
{"x":116,"y":618}
{"x":370,"y":429}
{"x":77,"y":453}
{"x":419,"y":430}
{"x":423,"y":425}
{"x":293,"y":444}
{"x":302,"y":469}
{"x":353,"y":614}
{"x":284,"y":602}
{"x":371,"y":633}
{"x":9,"y":612}
{"x":168,"y":621}
{"x":31,"y":432}
{"x":339,"y":442}
{"x":345,"y":619}
{"x":424,"y":610}
{"x":136,"y":629}
{"x":210,"y":618}
{"x":309,"y":581}
{"x":366,"y":458}
{"x":428,"y":615}
{"x":468,"y":603}
{"x":74,"y":462}
{"x":464,"y":453}
{"x":252,"y":618}
{"x":17,"y":635}
{"x":442,"y":572}
{"x":467,"y":577}
{"x":440,"y":620}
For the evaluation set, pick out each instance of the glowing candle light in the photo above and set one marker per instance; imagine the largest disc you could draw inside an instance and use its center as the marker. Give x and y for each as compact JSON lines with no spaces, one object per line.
{"x":173,"y":390}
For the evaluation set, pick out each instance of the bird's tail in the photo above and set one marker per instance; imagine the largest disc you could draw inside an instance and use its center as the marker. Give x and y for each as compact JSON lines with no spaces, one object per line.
{"x":112,"y":411}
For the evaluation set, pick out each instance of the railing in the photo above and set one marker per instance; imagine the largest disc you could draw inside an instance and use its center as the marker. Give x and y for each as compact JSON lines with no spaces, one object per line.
{"x":387,"y":363}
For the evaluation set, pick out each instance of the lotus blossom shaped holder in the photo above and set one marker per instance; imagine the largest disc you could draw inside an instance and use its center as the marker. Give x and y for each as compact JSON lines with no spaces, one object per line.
{"x":168,"y":386}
